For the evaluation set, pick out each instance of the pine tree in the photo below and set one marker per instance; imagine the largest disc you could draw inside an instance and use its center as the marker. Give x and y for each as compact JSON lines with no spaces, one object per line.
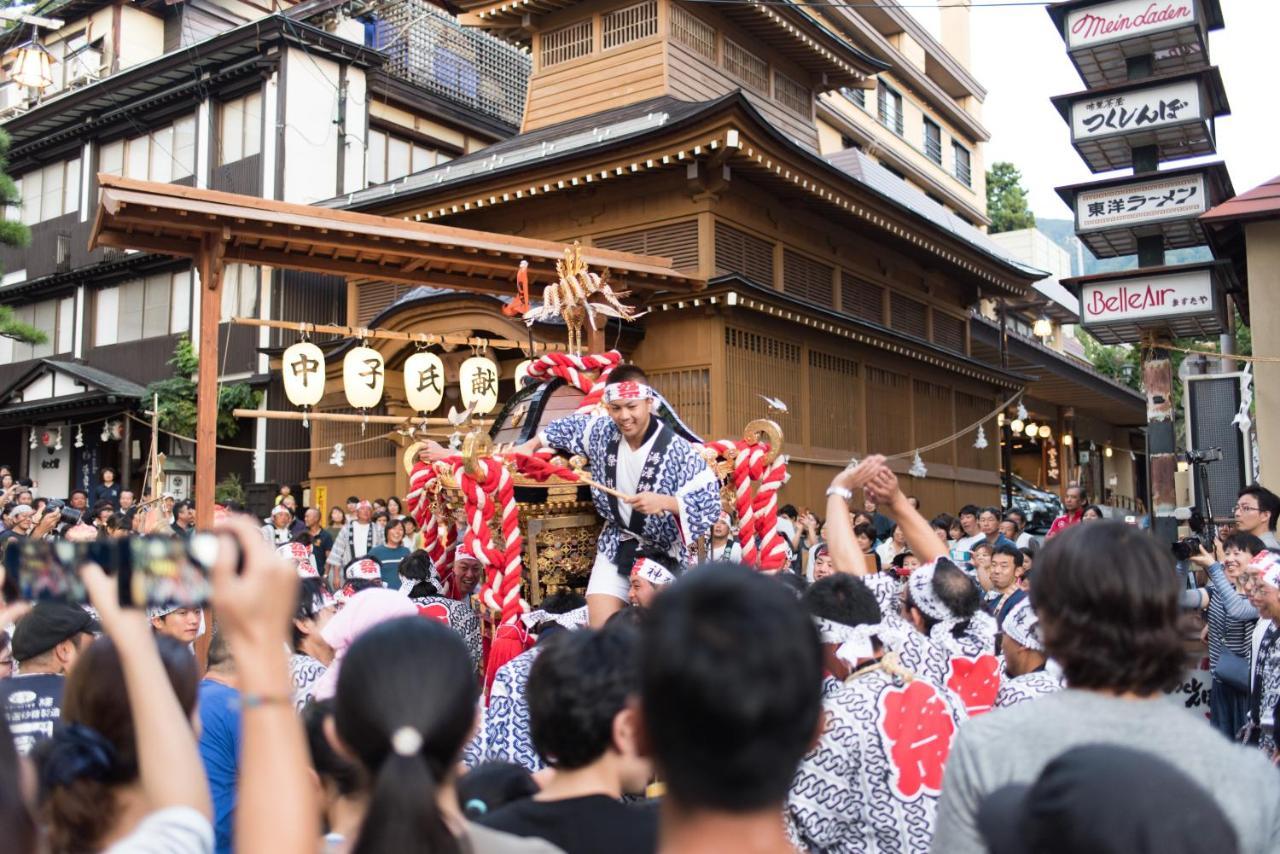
{"x":1007,"y":199}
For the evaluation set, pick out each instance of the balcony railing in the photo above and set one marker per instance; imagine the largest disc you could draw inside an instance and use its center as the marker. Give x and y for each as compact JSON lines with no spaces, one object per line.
{"x":427,"y":47}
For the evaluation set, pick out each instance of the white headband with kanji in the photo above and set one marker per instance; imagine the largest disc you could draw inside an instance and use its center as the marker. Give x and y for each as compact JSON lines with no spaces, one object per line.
{"x":629,"y":390}
{"x":920,"y":583}
{"x":1022,"y":624}
{"x":653,"y":572}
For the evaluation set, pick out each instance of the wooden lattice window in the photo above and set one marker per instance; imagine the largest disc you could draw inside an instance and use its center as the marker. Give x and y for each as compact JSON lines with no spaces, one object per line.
{"x":689,"y":392}
{"x":746,"y":66}
{"x":805,"y":278}
{"x":834,"y":405}
{"x":691,"y":31}
{"x":677,"y":241}
{"x":888,"y":409}
{"x":375,"y":297}
{"x":630,"y":23}
{"x":759,"y":364}
{"x":566,"y":43}
{"x":908,"y":315}
{"x":325,"y":434}
{"x":791,"y":94}
{"x":933,"y":419}
{"x":739,"y":252}
{"x":948,"y":331}
{"x":861,"y":298}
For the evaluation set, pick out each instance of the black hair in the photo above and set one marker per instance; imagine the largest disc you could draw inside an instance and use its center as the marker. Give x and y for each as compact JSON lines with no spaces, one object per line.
{"x":864,"y":529}
{"x":1084,"y":496}
{"x":793,"y":581}
{"x":403,"y":678}
{"x":75,"y":492}
{"x":788,"y":510}
{"x":957,"y":591}
{"x":1012,"y":551}
{"x":844,"y":599}
{"x":310,"y":602}
{"x":1014,"y":511}
{"x":353,"y":499}
{"x":1095,"y":508}
{"x":731,"y":677}
{"x":330,"y":766}
{"x":185,"y":504}
{"x":1268,"y":502}
{"x":982,"y":544}
{"x":562,"y":602}
{"x":1112,"y":624}
{"x":942,"y":522}
{"x":1028,"y":552}
{"x":969,"y":510}
{"x":303,"y":537}
{"x":419,"y":568}
{"x":1245,"y":543}
{"x":900,"y":558}
{"x":994,"y":511}
{"x":491,"y":785}
{"x":393,"y":522}
{"x":577,"y":686}
{"x":627,"y":373}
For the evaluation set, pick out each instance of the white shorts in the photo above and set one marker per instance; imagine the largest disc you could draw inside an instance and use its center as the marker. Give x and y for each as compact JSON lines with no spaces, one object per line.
{"x":606,"y":581}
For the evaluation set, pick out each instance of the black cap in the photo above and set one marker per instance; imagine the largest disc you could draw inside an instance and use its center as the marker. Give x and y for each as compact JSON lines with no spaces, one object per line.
{"x":47,"y":625}
{"x":1106,"y":799}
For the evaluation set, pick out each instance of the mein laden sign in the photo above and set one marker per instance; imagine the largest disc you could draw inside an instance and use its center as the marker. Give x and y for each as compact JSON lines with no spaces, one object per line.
{"x":1141,"y":203}
{"x":1097,"y":116}
{"x":1147,"y":298}
{"x":1125,"y":19}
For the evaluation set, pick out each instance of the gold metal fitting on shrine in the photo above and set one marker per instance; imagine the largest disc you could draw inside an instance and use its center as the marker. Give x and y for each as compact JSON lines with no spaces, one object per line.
{"x":771,"y":432}
{"x":475,"y":448}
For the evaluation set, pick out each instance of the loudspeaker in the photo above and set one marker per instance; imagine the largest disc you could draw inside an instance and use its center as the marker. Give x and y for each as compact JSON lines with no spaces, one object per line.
{"x":1210,"y":402}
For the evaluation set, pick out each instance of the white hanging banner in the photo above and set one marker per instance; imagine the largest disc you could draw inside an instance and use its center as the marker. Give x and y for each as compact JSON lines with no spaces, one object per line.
{"x":363,"y":374}
{"x":479,"y":379}
{"x":424,"y":381}
{"x":303,"y":374}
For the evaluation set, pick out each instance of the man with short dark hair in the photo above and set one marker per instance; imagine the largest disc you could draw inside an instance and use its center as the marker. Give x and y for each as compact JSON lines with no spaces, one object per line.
{"x":1113,"y":626}
{"x":731,"y":676}
{"x":1074,"y":500}
{"x":46,"y":644}
{"x":872,"y":781}
{"x":1019,"y":534}
{"x":78,"y":500}
{"x":582,"y":720}
{"x":1024,"y":658}
{"x":1256,"y":512}
{"x":1005,"y":572}
{"x":184,"y":518}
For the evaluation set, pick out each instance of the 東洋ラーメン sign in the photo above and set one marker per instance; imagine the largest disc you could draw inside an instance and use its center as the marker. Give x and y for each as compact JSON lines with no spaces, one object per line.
{"x":1141,"y":203}
{"x":1122,"y":19}
{"x":1142,"y":299}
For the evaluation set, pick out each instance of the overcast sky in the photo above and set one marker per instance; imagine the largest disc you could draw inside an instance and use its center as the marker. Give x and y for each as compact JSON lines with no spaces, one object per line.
{"x":1022,"y":61}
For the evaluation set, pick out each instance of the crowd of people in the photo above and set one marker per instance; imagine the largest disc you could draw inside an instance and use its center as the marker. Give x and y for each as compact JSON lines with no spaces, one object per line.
{"x":902,"y":684}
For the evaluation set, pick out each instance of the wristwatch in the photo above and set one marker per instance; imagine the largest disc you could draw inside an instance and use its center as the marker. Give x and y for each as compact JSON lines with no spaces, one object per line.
{"x":846,"y":494}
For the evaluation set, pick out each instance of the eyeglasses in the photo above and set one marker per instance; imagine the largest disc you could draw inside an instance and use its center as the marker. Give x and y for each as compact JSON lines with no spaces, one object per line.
{"x":1244,"y":508}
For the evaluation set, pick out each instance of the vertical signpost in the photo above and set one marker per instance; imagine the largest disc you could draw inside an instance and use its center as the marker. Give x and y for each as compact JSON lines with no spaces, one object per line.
{"x":1151,"y":97}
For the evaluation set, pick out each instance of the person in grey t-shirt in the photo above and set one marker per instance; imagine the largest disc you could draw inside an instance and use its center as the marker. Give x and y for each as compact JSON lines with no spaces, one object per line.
{"x":1112,"y":626}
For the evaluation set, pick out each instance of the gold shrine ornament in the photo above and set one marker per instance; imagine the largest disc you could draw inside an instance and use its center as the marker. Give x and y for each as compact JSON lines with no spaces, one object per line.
{"x":478,"y":377}
{"x":303,"y":369}
{"x":363,"y":375}
{"x":424,"y":381}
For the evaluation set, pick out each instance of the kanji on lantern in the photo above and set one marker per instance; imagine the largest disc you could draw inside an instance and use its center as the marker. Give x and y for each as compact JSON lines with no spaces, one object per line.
{"x":424,"y":381}
{"x":303,"y":368}
{"x":479,"y":380}
{"x":363,"y":375}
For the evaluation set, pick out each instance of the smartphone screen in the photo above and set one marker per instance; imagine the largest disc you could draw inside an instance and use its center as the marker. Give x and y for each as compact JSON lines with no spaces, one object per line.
{"x":148,"y":570}
{"x":162,"y":572}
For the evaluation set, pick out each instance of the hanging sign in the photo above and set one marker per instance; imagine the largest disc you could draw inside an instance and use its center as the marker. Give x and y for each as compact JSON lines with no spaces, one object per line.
{"x":1126,"y":19}
{"x":424,"y":381}
{"x":1147,"y":298}
{"x":1141,"y":203}
{"x":1095,"y":116}
{"x":303,"y":374}
{"x":363,"y":374}
{"x":479,"y":379}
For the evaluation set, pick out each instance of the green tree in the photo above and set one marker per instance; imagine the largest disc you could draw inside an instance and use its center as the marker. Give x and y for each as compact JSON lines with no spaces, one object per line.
{"x":13,"y":234}
{"x":1007,"y":199}
{"x":177,"y":396}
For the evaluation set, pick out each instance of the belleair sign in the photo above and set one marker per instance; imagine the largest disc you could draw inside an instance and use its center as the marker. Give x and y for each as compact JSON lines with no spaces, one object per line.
{"x":1147,"y":298}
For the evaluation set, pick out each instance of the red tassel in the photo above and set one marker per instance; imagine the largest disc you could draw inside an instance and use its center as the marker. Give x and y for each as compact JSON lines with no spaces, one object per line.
{"x":509,"y":640}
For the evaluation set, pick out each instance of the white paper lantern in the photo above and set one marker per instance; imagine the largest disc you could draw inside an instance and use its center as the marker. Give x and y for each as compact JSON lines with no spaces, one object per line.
{"x":424,"y":381}
{"x":303,"y":368}
{"x":479,"y":379}
{"x":522,"y":371}
{"x":363,"y":374}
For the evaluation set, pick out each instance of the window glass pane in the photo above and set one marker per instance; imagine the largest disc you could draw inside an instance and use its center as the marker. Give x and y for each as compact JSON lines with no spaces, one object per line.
{"x":184,"y":147}
{"x":136,"y":153}
{"x":162,"y":155}
{"x":252,"y":124}
{"x":423,"y":158}
{"x":71,"y":190}
{"x":231,"y":136}
{"x":31,"y":184}
{"x":66,"y":325}
{"x":6,"y":351}
{"x":230,"y":291}
{"x":106,"y":313}
{"x":46,"y":320}
{"x":131,"y":294}
{"x":248,"y":291}
{"x":111,"y":158}
{"x":397,"y":158}
{"x":441,"y":157}
{"x":377,"y":157}
{"x":155,"y":305}
{"x":51,"y":198}
{"x":180,"y":303}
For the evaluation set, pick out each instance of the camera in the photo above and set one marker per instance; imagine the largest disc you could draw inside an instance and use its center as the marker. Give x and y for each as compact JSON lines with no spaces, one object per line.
{"x":1205,"y":455}
{"x":1186,"y":547}
{"x":66,"y":515}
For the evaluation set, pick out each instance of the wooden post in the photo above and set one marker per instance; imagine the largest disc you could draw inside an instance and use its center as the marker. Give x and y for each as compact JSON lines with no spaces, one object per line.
{"x":209,"y":261}
{"x":1157,"y":376}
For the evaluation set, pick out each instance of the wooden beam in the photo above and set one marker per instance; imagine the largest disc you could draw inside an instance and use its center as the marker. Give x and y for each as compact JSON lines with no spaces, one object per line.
{"x":391,"y":335}
{"x":146,"y":243}
{"x":369,"y":270}
{"x":340,"y":417}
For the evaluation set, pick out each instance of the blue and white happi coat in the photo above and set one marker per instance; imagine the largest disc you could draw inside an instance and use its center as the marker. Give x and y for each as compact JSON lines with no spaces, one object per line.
{"x":1028,"y":686}
{"x":871,"y":785}
{"x":504,"y":727}
{"x":673,"y":468}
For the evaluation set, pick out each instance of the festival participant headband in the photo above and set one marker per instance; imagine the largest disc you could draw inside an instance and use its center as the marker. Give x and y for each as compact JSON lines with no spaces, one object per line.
{"x":20,"y":509}
{"x":920,"y":583}
{"x":853,"y":643}
{"x":725,"y":519}
{"x":571,"y":620}
{"x":302,"y":556}
{"x":652,"y":572}
{"x":363,"y":570}
{"x":629,"y":390}
{"x":463,"y":552}
{"x":1023,"y":626}
{"x":280,"y":508}
{"x":363,"y":505}
{"x":1267,"y":564}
